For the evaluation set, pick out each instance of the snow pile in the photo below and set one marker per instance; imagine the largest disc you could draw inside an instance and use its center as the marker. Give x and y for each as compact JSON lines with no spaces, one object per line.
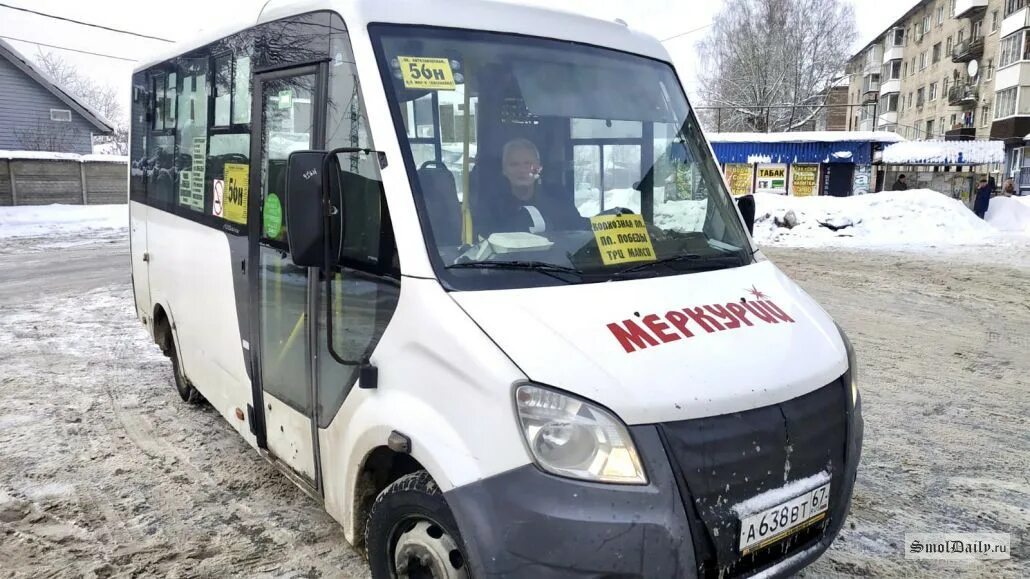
{"x":43,"y":220}
{"x":1010,"y":214}
{"x":678,"y":215}
{"x":894,"y":218}
{"x":945,"y":153}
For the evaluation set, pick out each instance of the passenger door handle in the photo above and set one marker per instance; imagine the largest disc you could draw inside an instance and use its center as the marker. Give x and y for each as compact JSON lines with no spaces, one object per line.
{"x":146,"y":256}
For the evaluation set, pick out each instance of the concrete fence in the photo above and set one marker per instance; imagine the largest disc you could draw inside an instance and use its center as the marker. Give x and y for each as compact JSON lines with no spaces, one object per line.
{"x":42,"y":179}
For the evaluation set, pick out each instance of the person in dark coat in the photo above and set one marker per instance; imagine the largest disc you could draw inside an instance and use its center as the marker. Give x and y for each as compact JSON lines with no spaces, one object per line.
{"x":983,"y":197}
{"x":900,"y":184}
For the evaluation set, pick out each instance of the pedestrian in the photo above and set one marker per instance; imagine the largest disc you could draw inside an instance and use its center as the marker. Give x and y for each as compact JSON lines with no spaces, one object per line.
{"x":983,"y":197}
{"x":900,"y":184}
{"x":1009,"y":188}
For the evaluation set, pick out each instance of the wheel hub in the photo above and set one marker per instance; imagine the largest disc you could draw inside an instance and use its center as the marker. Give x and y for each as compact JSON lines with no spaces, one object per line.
{"x":425,"y":551}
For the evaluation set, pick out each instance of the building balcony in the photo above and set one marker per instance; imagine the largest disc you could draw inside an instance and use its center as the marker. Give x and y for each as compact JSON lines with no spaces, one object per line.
{"x":865,"y":125}
{"x":963,"y":95}
{"x":890,"y":86}
{"x":969,"y":8}
{"x":893,"y":53}
{"x":960,"y":134}
{"x":968,"y":50}
{"x":870,"y":90}
{"x":888,"y":119}
{"x":1014,"y":21}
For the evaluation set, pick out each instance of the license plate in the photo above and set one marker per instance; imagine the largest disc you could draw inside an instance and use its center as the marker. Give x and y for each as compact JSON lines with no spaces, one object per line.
{"x":764,"y":528}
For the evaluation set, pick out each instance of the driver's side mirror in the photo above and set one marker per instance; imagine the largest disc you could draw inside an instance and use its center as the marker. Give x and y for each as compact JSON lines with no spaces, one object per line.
{"x":746,"y":204}
{"x":305,"y":218}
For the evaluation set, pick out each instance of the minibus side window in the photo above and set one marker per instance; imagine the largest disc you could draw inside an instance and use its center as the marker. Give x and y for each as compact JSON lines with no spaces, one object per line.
{"x":138,"y":142}
{"x":191,"y":162}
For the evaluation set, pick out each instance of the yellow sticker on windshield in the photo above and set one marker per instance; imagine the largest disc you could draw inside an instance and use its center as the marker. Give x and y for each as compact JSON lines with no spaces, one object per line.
{"x":622,"y":238}
{"x":426,"y":73}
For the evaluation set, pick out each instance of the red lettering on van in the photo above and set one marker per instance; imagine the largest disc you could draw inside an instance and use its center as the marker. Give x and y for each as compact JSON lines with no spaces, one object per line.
{"x":632,"y":337}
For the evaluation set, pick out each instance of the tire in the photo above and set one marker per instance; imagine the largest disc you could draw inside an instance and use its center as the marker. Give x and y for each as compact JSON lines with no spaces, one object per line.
{"x":186,"y":390}
{"x":411,"y":532}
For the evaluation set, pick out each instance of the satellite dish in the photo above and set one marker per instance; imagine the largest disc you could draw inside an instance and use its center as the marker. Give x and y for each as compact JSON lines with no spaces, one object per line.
{"x":972,"y":68}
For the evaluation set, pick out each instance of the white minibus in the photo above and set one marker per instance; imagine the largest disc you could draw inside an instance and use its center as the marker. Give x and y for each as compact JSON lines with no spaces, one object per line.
{"x":469,"y":274}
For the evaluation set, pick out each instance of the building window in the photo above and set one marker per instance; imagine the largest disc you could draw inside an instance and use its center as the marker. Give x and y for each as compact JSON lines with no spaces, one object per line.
{"x":948,"y":50}
{"x":1014,"y":5}
{"x":961,"y":36}
{"x":989,"y":72}
{"x":904,"y":67}
{"x":61,"y":115}
{"x":978,"y":30}
{"x":922,"y":60}
{"x":920,"y":97}
{"x":944,"y":87}
{"x":937,"y":52}
{"x":890,"y":103}
{"x":994,"y":21}
{"x":985,"y":116}
{"x":954,"y":117}
{"x":892,"y":70}
{"x":929,"y":128}
{"x":1005,"y":103}
{"x":940,"y":16}
{"x":897,"y":37}
{"x":926,"y":25}
{"x":909,"y":99}
{"x":933,"y":91}
{"x":1009,"y":51}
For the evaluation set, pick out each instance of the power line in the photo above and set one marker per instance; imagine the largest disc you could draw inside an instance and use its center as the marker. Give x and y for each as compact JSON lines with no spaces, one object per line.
{"x":72,"y":20}
{"x":70,"y":49}
{"x":691,"y":31}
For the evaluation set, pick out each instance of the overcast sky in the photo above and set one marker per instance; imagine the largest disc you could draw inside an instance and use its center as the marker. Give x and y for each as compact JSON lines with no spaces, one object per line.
{"x":180,"y":19}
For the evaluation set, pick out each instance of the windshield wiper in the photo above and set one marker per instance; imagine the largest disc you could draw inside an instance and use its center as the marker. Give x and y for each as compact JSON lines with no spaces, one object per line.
{"x":551,"y":269}
{"x":692,"y":261}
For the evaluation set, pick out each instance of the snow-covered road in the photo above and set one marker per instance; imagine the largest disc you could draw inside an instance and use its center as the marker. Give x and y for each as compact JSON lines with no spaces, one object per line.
{"x":104,"y":472}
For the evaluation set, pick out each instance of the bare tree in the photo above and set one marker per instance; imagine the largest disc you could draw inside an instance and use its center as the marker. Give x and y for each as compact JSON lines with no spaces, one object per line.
{"x":101,"y":98}
{"x":768,"y":64}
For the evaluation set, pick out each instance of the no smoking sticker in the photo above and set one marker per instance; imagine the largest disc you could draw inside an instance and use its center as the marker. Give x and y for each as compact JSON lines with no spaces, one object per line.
{"x":219,"y":190}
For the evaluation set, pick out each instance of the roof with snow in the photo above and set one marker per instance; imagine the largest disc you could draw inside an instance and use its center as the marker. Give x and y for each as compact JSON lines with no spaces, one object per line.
{"x":944,"y":153}
{"x":807,"y":137}
{"x":29,"y":68}
{"x":800,"y":147}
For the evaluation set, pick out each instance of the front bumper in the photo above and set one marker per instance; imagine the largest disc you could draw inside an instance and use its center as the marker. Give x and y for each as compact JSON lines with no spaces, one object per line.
{"x":527,"y":523}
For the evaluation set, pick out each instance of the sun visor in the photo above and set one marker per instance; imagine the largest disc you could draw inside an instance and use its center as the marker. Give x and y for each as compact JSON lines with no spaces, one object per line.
{"x":570,"y":89}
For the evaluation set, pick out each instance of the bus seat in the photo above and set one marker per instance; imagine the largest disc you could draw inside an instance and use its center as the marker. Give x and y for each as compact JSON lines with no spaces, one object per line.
{"x":441,"y":198}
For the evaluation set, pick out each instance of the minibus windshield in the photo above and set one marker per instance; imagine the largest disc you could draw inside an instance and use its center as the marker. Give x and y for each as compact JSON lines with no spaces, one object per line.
{"x":542,"y":162}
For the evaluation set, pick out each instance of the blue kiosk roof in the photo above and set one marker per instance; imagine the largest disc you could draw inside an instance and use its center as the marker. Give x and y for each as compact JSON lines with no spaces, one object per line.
{"x":803,"y":147}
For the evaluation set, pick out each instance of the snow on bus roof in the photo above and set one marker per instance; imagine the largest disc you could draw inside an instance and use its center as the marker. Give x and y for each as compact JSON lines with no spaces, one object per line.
{"x":807,"y":137}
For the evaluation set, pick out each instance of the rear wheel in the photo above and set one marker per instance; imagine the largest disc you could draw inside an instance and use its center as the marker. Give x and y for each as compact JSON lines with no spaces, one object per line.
{"x":411,"y":533}
{"x":186,"y":390}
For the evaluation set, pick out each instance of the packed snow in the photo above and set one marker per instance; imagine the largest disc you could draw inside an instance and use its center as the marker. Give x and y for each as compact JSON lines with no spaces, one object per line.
{"x":945,"y":153}
{"x":1010,"y":214}
{"x":888,"y":219}
{"x":42,"y":220}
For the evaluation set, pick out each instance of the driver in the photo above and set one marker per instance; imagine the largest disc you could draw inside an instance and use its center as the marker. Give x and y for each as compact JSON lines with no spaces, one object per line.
{"x":528,"y":206}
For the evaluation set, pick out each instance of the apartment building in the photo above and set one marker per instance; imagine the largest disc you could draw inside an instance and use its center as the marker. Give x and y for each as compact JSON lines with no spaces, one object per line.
{"x":931,"y":74}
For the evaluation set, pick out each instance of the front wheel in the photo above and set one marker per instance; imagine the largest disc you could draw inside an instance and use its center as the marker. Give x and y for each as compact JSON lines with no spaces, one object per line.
{"x":411,"y":533}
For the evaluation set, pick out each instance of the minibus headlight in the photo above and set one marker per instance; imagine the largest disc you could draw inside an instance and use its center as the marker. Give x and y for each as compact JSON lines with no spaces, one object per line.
{"x":570,"y":437}
{"x":852,"y":366}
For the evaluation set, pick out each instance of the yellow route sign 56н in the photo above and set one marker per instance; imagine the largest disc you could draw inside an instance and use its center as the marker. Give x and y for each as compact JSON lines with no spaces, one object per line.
{"x":237,"y":187}
{"x":622,"y":238}
{"x":426,"y":73}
